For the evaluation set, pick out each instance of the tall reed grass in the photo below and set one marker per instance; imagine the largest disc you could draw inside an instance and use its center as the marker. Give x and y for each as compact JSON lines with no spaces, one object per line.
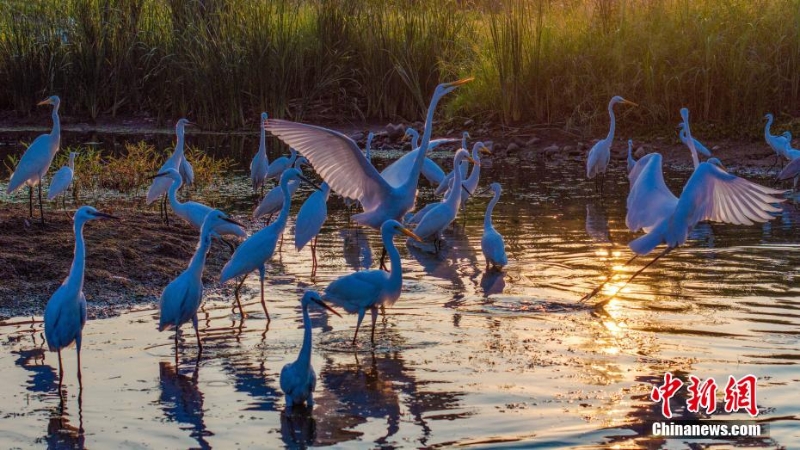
{"x":221,"y":62}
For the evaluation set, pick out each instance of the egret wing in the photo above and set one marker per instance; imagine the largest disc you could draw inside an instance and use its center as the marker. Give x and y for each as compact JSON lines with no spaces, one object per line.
{"x":791,"y":170}
{"x":397,"y":172}
{"x":649,"y":200}
{"x":357,"y":290}
{"x":34,"y":161}
{"x":336,"y":158}
{"x":60,"y":182}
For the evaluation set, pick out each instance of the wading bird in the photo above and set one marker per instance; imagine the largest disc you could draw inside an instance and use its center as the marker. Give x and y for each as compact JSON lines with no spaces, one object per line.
{"x":65,"y":314}
{"x":340,"y":162}
{"x":273,"y":201}
{"x":631,"y":161}
{"x":253,"y":253}
{"x":710,"y":194}
{"x":470,"y":184}
{"x":182,"y":297}
{"x":600,"y":154}
{"x":260,"y":162}
{"x":441,"y":215}
{"x":398,"y":172}
{"x":36,"y":160}
{"x":492,"y":245}
{"x":298,"y":379}
{"x":778,"y":143}
{"x":195,"y":213}
{"x":62,"y":179}
{"x":446,"y":182}
{"x":276,"y":169}
{"x":370,"y":289}
{"x":310,"y":219}
{"x":187,"y":172}
{"x":697,"y":144}
{"x":160,"y":186}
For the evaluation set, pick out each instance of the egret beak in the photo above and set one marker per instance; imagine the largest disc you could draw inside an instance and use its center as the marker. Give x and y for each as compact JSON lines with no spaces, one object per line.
{"x":472,"y":160}
{"x":44,"y":102}
{"x":628,"y":102}
{"x":105,"y":216}
{"x":459,"y":82}
{"x":316,"y":186}
{"x":408,"y":233}
{"x":484,"y":191}
{"x":162,"y":174}
{"x":228,"y":219}
{"x":406,"y":137}
{"x":325,"y":305}
{"x":485,"y":150}
{"x":722,"y":166}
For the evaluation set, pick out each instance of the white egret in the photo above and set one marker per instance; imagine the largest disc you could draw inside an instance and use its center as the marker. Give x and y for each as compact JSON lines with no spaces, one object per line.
{"x":341,"y":164}
{"x":276,"y":169}
{"x":298,"y":379}
{"x":253,"y":253}
{"x":470,"y":184}
{"x":397,"y":172}
{"x":368,"y":147}
{"x":310,"y":218}
{"x":440,"y":216}
{"x":631,"y":161}
{"x":711,"y":194}
{"x":778,"y":143}
{"x":445,"y":183}
{"x":697,"y":144}
{"x":260,"y":162}
{"x":36,"y":160}
{"x":187,"y":172}
{"x":273,"y":201}
{"x":182,"y":297}
{"x":370,"y":289}
{"x":62,"y":179}
{"x":492,"y":245}
{"x":195,"y":213}
{"x":600,"y":154}
{"x":160,"y":186}
{"x":65,"y":314}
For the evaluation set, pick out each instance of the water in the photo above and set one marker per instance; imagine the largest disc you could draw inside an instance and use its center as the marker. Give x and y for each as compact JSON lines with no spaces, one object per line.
{"x":464,"y":358}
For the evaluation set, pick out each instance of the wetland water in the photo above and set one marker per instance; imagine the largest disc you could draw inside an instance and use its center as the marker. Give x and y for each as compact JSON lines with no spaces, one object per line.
{"x":464,"y":357}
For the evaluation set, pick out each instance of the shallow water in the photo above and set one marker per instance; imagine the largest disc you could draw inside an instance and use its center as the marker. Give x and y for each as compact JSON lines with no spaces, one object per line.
{"x":464,"y":358}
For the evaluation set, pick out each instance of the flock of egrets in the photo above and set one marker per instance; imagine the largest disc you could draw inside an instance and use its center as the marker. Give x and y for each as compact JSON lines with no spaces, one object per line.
{"x":388,"y":200}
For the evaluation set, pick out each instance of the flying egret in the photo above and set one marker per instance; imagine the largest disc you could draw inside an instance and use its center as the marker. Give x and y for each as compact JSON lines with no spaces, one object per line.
{"x":195,"y":213}
{"x":631,"y":161}
{"x":160,"y":186}
{"x":260,"y":162}
{"x":697,"y":144}
{"x":310,"y":218}
{"x":440,"y":216}
{"x":36,"y":160}
{"x":281,"y":164}
{"x":710,"y":194}
{"x":600,"y":154}
{"x":492,"y":245}
{"x":182,"y":297}
{"x":778,"y":143}
{"x":62,"y":179}
{"x":65,"y":314}
{"x":371,"y":288}
{"x":273,"y":201}
{"x":298,"y":379}
{"x":253,"y":253}
{"x":341,"y":164}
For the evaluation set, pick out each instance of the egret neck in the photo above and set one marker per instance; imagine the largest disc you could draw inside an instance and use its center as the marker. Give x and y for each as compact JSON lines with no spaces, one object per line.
{"x":410,"y":186}
{"x":396,"y":272}
{"x":304,"y":358}
{"x":75,"y":279}
{"x":610,"y":137}
{"x":487,"y":219}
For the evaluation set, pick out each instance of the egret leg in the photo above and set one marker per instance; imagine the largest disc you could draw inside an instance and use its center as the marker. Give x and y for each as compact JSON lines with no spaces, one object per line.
{"x":166,"y":212}
{"x":60,"y":370}
{"x":361,"y":313}
{"x":197,"y":334}
{"x":30,"y":201}
{"x":667,"y":250}
{"x":374,"y":311}
{"x":78,"y":350}
{"x":263,"y":303}
{"x":383,"y":259}
{"x":236,"y":294}
{"x":314,"y":252}
{"x":177,"y":330}
{"x":598,"y":288}
{"x":41,"y":208}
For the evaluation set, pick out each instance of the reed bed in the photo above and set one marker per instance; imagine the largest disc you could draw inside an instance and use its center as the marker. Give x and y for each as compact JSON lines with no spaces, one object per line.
{"x":546,"y":62}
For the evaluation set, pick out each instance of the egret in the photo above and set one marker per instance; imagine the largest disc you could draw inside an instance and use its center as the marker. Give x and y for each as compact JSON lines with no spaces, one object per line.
{"x":778,"y":143}
{"x":342,"y":165}
{"x":195,"y":213}
{"x":470,"y":184}
{"x":310,"y":218}
{"x":600,"y":154}
{"x":492,"y":245}
{"x":711,"y":194}
{"x":445,"y":184}
{"x":298,"y":379}
{"x":397,"y":172}
{"x":273,"y":201}
{"x":36,"y":160}
{"x":697,"y":144}
{"x":631,"y":161}
{"x":160,"y":186}
{"x":440,"y":216}
{"x":181,"y":299}
{"x":65,"y":314}
{"x":371,"y":288}
{"x":253,"y":253}
{"x":368,"y":147}
{"x":260,"y":162}
{"x":62,"y":179}
{"x":276,"y":169}
{"x":187,"y":172}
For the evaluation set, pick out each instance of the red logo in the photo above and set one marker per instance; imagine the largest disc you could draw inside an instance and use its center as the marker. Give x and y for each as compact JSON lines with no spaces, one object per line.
{"x":739,"y":395}
{"x":665,"y":392}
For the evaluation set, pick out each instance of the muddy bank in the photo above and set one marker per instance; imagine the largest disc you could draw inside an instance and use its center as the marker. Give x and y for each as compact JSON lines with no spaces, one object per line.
{"x":127,"y":262}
